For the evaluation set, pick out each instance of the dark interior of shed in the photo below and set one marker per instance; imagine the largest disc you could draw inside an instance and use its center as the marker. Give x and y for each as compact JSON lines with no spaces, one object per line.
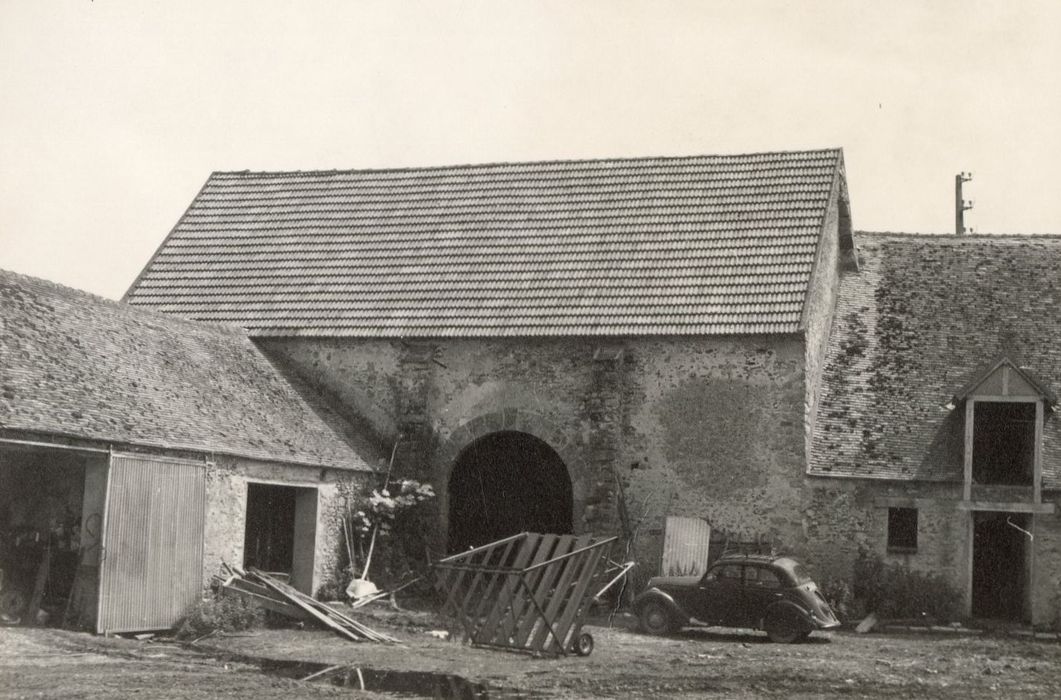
{"x":269,"y":540}
{"x":41,"y":496}
{"x":1003,"y":443}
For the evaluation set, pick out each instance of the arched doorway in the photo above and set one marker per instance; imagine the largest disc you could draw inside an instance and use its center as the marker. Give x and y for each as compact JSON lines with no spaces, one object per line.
{"x":505,"y":483}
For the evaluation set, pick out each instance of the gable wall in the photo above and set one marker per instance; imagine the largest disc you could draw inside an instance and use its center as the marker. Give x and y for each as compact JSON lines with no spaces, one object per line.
{"x":709,"y":427}
{"x":819,"y":311}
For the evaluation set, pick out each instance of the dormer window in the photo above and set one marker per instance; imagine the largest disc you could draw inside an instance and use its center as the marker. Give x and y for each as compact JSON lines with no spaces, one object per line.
{"x":1004,"y":442}
{"x":1004,"y":410}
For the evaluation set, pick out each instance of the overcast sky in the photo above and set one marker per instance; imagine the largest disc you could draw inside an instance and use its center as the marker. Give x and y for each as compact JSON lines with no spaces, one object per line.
{"x":113,"y":114}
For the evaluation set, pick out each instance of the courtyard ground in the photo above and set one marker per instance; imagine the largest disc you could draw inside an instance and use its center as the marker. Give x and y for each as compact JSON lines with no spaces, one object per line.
{"x":625,"y":664}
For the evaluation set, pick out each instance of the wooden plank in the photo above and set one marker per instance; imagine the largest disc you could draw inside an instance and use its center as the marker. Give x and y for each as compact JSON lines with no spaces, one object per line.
{"x":481,"y":580}
{"x":321,"y":617}
{"x":270,"y":603}
{"x":520,"y":602}
{"x":541,"y":591}
{"x":493,"y":587}
{"x":577,"y":602}
{"x":460,"y":556}
{"x":337,"y":616}
{"x":1037,"y":465}
{"x":508,"y":589}
{"x":29,"y":617}
{"x":541,"y":635}
{"x":968,"y":456}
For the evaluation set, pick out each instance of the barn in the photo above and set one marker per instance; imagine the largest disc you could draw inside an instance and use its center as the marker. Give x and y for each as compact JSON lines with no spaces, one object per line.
{"x":937,"y":446}
{"x":138,"y":452}
{"x":540,"y":338}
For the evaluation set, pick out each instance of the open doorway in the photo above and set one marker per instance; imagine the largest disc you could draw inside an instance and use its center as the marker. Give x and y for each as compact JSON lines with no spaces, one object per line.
{"x":506,"y":483}
{"x":281,"y":532}
{"x":1004,"y":443}
{"x":50,"y":520}
{"x":1001,"y":566}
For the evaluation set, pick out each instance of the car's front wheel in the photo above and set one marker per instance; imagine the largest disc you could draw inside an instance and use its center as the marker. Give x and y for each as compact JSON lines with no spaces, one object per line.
{"x":655,"y":618}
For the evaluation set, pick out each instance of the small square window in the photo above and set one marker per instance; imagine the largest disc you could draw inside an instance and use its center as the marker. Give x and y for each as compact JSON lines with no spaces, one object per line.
{"x":902,"y":529}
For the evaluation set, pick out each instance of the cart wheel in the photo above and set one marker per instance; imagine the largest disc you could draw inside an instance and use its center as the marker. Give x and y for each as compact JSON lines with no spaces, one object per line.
{"x":11,"y":602}
{"x":584,"y":644}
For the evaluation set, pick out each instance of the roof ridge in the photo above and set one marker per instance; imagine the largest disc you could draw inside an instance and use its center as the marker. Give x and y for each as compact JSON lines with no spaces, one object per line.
{"x":952,"y":237}
{"x":555,"y":161}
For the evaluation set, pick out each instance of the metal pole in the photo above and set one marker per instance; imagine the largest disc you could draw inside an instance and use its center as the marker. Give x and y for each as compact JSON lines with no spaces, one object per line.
{"x":960,"y":205}
{"x":959,"y":208}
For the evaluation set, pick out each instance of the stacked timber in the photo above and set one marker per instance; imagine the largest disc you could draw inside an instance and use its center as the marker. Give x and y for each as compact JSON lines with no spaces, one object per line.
{"x":276,"y":595}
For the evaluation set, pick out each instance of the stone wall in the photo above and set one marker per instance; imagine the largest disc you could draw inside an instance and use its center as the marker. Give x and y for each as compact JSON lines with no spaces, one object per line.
{"x":819,"y":310}
{"x":711,"y":427}
{"x":226,"y":510}
{"x":847,"y":516}
{"x":1046,"y":575}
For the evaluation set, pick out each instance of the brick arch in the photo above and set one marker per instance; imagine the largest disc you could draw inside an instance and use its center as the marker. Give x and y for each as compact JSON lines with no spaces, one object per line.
{"x":514,"y":420}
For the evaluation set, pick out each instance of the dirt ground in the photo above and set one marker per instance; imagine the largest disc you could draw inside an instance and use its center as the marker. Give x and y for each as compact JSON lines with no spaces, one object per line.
{"x":695,"y":663}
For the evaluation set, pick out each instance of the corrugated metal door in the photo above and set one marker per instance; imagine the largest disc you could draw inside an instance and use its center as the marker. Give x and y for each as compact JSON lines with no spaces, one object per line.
{"x":685,"y":546}
{"x":152,"y":559}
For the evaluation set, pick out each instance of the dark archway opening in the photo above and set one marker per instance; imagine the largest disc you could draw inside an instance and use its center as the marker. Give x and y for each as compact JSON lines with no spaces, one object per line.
{"x":506,"y":483}
{"x":1000,"y":566}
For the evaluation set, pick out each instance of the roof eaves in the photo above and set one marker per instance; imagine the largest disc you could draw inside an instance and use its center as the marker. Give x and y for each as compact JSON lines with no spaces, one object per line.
{"x":198,"y":449}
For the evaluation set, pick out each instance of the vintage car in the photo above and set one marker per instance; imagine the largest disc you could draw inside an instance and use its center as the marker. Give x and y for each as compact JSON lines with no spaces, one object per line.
{"x":761,"y":592}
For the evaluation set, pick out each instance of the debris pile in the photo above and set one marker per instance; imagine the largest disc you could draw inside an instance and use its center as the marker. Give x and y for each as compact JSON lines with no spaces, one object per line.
{"x":275,"y":595}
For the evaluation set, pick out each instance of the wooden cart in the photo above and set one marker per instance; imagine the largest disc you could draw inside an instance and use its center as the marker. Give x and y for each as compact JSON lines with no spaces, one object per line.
{"x":529,"y":592}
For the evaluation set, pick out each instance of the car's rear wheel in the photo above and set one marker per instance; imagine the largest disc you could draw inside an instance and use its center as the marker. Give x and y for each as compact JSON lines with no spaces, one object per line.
{"x":655,"y":618}
{"x":784,"y":628}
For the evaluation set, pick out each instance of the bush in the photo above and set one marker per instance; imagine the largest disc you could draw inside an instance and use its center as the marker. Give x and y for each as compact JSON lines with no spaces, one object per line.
{"x":841,"y":598}
{"x":226,"y":613}
{"x":896,"y":592}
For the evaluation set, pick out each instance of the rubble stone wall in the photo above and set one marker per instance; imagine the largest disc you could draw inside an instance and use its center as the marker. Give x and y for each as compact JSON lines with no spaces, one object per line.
{"x":226,"y":510}
{"x":707,"y":427}
{"x":847,"y":516}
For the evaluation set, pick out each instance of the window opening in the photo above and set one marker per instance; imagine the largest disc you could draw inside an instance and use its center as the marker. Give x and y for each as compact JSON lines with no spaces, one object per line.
{"x":761,"y":578}
{"x":1004,"y":443}
{"x":902,"y":529}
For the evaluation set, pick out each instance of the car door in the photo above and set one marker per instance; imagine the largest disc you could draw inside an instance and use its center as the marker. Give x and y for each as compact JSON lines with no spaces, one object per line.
{"x":762,"y":587}
{"x":719,"y":594}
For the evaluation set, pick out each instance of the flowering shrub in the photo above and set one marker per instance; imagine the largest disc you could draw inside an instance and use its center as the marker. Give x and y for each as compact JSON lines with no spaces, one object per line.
{"x":384,"y":508}
{"x":401,"y":516}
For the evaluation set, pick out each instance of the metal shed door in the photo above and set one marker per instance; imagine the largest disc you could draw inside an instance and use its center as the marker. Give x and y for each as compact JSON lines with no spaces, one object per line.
{"x":152,"y":558}
{"x":685,"y":546}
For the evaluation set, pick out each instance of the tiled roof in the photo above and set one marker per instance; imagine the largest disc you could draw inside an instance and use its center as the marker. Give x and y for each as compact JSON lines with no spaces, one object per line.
{"x":922,"y":316}
{"x":691,"y":245}
{"x":76,"y":365}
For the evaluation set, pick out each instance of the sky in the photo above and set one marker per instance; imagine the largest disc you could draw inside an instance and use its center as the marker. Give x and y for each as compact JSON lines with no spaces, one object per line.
{"x":113,"y":113}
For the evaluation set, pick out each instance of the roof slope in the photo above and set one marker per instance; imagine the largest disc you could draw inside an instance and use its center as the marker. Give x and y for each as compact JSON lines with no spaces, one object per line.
{"x":691,"y":245}
{"x":78,"y":365}
{"x":924,"y":314}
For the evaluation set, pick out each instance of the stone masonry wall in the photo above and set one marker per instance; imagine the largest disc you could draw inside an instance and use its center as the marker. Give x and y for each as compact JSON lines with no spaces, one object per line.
{"x":1046,"y":576}
{"x":226,"y":509}
{"x":711,"y":427}
{"x":846,"y":516}
{"x":819,"y":311}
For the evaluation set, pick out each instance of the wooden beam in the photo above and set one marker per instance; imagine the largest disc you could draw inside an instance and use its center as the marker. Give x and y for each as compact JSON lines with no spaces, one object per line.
{"x":1007,"y":507}
{"x":969,"y":419}
{"x":1038,"y":464}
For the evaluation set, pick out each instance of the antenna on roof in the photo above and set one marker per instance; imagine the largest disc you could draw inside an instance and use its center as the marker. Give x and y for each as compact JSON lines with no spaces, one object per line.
{"x":961,"y":205}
